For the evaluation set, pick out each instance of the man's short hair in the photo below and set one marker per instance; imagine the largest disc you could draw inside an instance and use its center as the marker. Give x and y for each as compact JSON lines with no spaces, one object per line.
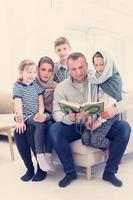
{"x":75,"y":56}
{"x":61,"y":40}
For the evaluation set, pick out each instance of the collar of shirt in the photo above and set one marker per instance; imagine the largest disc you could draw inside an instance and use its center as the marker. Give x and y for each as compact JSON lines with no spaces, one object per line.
{"x":21,"y":83}
{"x":60,"y":65}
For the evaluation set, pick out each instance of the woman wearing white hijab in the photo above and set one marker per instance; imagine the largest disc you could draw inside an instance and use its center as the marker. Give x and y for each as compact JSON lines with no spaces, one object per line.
{"x":108,"y":88}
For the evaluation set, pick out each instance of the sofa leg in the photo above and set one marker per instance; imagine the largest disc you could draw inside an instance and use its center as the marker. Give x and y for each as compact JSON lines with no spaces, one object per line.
{"x":10,"y":143}
{"x":88,"y":173}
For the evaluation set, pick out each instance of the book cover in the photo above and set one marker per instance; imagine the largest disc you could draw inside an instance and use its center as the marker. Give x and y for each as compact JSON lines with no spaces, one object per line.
{"x":91,"y":107}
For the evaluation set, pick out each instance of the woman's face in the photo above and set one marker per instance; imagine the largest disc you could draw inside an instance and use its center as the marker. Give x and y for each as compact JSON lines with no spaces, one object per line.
{"x":99,"y":65}
{"x":45,"y":72}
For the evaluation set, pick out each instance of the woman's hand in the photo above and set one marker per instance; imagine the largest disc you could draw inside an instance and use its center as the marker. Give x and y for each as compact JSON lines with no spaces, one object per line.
{"x":39,"y":117}
{"x":109,"y":112}
{"x":20,"y":127}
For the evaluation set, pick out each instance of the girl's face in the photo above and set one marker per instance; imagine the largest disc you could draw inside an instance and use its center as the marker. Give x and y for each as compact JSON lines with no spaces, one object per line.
{"x":45,"y":72}
{"x":99,"y":65}
{"x":28,"y":74}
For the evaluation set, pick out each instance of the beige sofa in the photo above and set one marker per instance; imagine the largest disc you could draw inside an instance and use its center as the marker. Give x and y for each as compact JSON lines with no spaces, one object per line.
{"x":83,"y":156}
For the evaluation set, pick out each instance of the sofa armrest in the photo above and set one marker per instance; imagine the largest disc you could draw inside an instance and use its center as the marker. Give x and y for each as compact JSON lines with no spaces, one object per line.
{"x":6,"y":103}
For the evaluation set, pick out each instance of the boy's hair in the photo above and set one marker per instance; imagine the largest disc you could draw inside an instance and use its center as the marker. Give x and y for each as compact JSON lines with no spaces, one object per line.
{"x":60,"y":41}
{"x":47,"y":60}
{"x":97,"y":55}
{"x":75,"y":56}
{"x":25,"y":63}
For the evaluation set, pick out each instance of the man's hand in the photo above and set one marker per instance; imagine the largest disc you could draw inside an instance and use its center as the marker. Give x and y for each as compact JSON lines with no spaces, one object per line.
{"x":109,"y":112}
{"x":81,"y":115}
{"x":20,"y":127}
{"x":39,"y":117}
{"x":72,"y":116}
{"x":76,"y":117}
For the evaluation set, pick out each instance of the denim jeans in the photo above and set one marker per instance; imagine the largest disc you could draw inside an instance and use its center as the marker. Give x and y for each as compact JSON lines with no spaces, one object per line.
{"x":119,"y":136}
{"x":62,"y":134}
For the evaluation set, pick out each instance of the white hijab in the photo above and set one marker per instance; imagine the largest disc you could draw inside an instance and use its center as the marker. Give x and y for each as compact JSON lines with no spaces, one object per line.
{"x":109,"y":69}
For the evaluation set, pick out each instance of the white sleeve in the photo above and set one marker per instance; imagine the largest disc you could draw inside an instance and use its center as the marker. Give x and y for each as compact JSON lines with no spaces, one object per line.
{"x":120,"y":105}
{"x":101,"y":119}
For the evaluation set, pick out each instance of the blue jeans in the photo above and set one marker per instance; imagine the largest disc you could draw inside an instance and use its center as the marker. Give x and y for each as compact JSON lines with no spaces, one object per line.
{"x":119,"y":136}
{"x":62,"y":134}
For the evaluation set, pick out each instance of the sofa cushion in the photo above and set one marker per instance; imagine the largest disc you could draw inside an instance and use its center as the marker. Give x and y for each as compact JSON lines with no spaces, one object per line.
{"x":6,"y":103}
{"x":79,"y":148}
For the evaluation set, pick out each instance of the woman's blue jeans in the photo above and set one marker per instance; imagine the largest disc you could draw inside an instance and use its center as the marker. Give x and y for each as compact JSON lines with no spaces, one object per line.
{"x":62,"y":134}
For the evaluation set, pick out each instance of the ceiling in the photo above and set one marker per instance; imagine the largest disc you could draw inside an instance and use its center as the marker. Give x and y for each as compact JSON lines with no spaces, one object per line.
{"x":112,"y":15}
{"x":121,"y":6}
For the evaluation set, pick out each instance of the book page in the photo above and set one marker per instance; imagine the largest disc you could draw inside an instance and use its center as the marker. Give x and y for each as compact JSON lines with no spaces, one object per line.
{"x":93,"y":107}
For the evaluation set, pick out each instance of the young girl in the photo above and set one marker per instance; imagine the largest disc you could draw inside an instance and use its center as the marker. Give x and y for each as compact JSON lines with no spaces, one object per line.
{"x":28,"y":102}
{"x":109,"y":89}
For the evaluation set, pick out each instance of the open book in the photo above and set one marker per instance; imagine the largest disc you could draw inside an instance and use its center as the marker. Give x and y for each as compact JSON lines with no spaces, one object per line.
{"x":91,"y":107}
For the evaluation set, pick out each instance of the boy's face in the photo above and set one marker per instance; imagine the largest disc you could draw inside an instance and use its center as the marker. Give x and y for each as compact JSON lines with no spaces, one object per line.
{"x":62,"y":51}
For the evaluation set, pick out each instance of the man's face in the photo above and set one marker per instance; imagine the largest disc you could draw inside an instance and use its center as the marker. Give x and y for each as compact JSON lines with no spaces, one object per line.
{"x":78,"y":69}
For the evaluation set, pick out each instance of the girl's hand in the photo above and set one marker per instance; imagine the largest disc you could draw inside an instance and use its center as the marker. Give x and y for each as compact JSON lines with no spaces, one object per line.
{"x":109,"y":112}
{"x":18,"y":118}
{"x":89,"y":123}
{"x":39,"y":117}
{"x":96,"y":124}
{"x":20,"y":127}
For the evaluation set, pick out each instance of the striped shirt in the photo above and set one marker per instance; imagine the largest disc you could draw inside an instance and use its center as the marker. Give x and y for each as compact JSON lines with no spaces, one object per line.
{"x":29,"y":95}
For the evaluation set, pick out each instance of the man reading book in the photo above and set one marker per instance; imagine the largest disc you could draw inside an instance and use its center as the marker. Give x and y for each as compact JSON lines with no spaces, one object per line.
{"x":91,"y":107}
{"x":78,"y":88}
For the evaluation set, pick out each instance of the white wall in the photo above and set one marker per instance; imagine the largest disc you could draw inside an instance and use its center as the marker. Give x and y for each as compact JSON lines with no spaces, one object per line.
{"x":29,"y":28}
{"x":27,"y":31}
